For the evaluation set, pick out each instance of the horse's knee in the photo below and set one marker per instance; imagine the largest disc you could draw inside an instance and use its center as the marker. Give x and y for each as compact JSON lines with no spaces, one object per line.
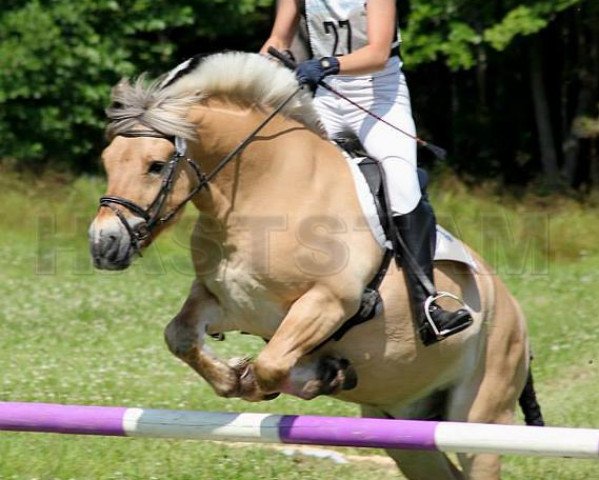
{"x":179,"y":338}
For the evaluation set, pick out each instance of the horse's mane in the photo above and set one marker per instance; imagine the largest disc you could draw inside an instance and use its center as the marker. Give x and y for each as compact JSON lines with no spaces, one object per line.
{"x":163,"y":104}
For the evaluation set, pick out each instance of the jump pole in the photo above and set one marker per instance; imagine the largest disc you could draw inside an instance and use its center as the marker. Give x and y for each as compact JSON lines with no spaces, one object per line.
{"x":300,"y":429}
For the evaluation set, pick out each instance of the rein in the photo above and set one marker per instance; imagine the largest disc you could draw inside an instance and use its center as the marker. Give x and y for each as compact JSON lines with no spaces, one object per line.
{"x":151,"y":216}
{"x":439,"y":152}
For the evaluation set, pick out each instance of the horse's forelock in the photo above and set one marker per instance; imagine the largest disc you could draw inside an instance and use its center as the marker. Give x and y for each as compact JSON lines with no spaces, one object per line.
{"x":145,"y":103}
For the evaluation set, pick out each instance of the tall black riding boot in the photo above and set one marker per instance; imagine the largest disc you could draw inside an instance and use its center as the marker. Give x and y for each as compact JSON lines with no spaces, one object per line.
{"x":418,"y":232}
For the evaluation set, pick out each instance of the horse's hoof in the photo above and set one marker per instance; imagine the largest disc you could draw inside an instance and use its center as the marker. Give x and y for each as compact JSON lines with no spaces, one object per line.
{"x":336,"y":374}
{"x":351,"y":378}
{"x":248,"y":387}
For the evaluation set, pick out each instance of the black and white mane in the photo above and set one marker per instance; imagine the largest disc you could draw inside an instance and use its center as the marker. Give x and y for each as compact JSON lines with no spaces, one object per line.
{"x":163,"y":104}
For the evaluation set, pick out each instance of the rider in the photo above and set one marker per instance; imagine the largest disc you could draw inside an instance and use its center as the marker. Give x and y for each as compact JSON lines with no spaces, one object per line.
{"x":356,"y":43}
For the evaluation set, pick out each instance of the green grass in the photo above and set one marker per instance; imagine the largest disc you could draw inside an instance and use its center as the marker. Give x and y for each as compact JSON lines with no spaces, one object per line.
{"x":69,"y":334}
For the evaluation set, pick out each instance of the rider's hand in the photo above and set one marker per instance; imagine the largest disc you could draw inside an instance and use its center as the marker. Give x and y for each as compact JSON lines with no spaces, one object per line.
{"x":312,"y":71}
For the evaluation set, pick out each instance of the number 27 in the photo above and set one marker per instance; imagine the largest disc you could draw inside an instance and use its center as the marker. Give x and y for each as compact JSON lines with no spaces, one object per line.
{"x":331,"y":28}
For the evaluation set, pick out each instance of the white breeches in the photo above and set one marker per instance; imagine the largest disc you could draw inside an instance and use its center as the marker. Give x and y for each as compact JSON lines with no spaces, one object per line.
{"x":386,"y":95}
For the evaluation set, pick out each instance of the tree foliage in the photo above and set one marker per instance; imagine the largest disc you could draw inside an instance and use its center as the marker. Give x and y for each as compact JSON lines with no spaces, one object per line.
{"x":454,"y":29}
{"x":518,"y":75}
{"x":505,"y":85}
{"x":58,"y":60}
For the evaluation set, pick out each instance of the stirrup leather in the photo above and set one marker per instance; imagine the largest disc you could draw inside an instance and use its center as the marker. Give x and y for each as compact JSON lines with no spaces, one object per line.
{"x":440,"y":334}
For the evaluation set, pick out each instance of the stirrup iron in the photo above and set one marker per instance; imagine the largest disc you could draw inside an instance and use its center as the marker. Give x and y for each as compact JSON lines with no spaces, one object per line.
{"x":440,"y":334}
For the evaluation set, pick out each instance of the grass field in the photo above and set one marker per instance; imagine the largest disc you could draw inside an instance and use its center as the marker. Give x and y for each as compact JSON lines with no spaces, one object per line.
{"x":69,"y":334}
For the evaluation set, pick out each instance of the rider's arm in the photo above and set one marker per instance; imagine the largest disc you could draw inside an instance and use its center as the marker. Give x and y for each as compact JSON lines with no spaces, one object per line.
{"x":382,"y":26}
{"x":285,"y":26}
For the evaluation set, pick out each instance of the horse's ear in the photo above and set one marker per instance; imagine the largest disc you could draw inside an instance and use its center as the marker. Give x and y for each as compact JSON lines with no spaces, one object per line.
{"x":119,"y":90}
{"x":118,"y":95}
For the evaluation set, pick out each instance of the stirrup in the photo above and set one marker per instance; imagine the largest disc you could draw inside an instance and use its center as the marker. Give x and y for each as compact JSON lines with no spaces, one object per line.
{"x":441,"y":334}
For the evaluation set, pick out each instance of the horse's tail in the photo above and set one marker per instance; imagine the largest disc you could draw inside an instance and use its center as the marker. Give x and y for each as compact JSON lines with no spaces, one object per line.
{"x":529,"y":404}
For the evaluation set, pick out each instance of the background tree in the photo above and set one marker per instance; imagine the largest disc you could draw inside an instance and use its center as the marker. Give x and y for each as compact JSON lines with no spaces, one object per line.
{"x":59,"y":59}
{"x":512,"y":65}
{"x":510,"y":87}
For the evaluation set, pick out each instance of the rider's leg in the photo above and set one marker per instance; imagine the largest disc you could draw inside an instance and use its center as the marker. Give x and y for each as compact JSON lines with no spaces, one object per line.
{"x":418,"y":234}
{"x":412,"y":214}
{"x":390,"y":99}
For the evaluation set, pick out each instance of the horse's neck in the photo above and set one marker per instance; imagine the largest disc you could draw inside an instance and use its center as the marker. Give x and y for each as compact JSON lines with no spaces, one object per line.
{"x":261,"y":165}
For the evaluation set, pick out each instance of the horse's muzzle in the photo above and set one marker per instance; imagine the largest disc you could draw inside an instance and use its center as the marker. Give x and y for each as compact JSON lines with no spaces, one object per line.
{"x":110,"y":245}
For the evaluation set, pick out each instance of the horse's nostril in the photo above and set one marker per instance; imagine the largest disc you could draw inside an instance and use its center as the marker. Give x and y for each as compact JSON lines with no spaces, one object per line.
{"x":105,"y":245}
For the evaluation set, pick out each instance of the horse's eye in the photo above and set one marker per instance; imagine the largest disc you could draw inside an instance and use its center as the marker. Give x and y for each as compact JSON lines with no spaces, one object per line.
{"x":156,"y":168}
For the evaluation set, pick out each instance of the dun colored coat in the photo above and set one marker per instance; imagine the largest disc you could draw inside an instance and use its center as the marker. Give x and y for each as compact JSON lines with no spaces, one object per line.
{"x":282,"y":251}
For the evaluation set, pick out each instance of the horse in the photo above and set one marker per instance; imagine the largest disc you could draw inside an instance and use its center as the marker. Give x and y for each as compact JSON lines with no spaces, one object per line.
{"x":282,"y":250}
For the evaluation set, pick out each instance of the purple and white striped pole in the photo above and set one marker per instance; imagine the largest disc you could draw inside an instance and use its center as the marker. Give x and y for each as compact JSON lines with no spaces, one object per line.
{"x":309,"y":430}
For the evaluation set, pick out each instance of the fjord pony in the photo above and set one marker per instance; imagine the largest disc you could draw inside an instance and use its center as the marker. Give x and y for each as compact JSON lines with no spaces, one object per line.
{"x":282,"y":250}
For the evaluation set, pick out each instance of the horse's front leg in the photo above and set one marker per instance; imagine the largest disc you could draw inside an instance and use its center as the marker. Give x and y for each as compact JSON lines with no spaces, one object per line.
{"x":185,"y":334}
{"x":311,"y":320}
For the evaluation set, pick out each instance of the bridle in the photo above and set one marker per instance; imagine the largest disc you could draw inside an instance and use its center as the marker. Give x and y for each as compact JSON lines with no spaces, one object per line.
{"x":151,"y":216}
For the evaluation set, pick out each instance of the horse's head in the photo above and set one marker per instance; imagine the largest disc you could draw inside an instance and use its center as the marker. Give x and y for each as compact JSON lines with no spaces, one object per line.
{"x":149,"y":180}
{"x":149,"y":176}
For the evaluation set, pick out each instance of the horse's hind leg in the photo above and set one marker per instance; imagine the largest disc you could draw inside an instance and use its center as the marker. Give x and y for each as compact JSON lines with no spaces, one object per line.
{"x":494,"y":402}
{"x":419,"y":464}
{"x":491,"y":395}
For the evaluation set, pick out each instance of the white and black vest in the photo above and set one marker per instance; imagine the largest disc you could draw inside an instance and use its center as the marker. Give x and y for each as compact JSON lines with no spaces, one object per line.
{"x":337,"y":27}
